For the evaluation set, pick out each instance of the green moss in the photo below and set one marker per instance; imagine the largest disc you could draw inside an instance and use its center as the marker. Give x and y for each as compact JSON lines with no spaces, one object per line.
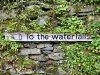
{"x":1,"y":73}
{"x":53,"y":71}
{"x":28,"y":62}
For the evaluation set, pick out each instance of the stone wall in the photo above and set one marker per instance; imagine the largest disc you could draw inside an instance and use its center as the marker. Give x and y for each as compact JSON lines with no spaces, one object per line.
{"x":45,"y":57}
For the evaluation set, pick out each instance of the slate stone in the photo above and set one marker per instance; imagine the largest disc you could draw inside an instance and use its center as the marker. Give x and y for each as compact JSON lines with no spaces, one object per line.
{"x":29,"y":45}
{"x":26,"y":51}
{"x":7,"y":65}
{"x":39,"y":57}
{"x":31,"y":7}
{"x":56,"y":56}
{"x":40,"y":45}
{"x":33,"y":57}
{"x":51,"y":63}
{"x":81,"y":14}
{"x":47,"y":52}
{"x":48,"y":49}
{"x":13,"y":71}
{"x":40,"y":71}
{"x":12,"y":14}
{"x":87,"y":9}
{"x":42,"y":58}
{"x":57,"y":50}
{"x":26,"y":45}
{"x":4,"y":15}
{"x":48,"y":45}
{"x":42,"y":20}
{"x":56,"y":45}
{"x":32,"y":45}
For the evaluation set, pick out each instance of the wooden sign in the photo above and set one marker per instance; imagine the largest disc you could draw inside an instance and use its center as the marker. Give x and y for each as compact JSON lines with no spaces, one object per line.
{"x":46,"y":37}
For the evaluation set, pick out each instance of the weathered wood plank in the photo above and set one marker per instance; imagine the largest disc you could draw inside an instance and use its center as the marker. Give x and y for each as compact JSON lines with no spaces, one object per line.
{"x":46,"y":37}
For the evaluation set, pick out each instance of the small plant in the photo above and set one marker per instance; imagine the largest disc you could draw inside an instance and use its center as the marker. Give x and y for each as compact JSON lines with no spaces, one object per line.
{"x":79,"y":60}
{"x":71,"y":25}
{"x":61,"y":9}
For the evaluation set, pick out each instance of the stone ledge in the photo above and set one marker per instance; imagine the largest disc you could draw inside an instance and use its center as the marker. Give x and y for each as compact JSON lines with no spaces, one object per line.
{"x":26,"y":51}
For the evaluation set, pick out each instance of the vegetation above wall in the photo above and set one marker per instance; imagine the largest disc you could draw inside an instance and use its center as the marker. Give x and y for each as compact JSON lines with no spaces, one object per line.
{"x":81,"y":58}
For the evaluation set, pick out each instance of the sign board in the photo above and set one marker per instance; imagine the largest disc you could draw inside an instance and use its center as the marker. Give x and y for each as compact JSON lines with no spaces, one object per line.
{"x":46,"y":37}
